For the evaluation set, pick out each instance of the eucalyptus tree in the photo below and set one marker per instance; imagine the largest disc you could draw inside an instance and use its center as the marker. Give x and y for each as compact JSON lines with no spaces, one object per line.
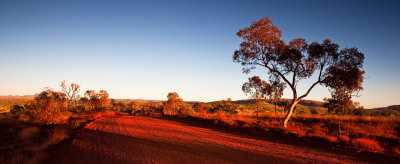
{"x":294,"y":61}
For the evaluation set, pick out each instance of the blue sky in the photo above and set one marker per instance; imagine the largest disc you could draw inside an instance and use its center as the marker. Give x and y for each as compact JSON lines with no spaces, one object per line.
{"x":145,"y":49}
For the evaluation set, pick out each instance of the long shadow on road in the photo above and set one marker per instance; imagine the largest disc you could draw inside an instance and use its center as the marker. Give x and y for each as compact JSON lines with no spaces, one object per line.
{"x":140,"y":139}
{"x":93,"y":146}
{"x":286,"y":139}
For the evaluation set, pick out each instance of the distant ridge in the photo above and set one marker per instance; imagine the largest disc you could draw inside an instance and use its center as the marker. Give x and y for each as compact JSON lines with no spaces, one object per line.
{"x":311,"y":103}
{"x":26,"y":97}
{"x":151,"y":101}
{"x":391,"y":107}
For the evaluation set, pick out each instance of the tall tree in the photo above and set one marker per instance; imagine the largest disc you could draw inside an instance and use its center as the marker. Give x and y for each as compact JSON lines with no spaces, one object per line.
{"x":345,"y":79}
{"x":71,"y":91}
{"x":257,"y":90}
{"x":294,"y":61}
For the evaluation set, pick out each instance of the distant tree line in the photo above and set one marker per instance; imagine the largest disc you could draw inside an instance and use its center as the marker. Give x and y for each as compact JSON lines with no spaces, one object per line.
{"x":53,"y":107}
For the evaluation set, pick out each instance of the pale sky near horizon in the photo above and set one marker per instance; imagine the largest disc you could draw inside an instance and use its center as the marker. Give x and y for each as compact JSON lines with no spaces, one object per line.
{"x":145,"y":49}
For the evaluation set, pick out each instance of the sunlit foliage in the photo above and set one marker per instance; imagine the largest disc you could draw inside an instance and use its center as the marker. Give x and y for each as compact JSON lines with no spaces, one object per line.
{"x":96,"y":101}
{"x":173,"y":104}
{"x":50,"y":107}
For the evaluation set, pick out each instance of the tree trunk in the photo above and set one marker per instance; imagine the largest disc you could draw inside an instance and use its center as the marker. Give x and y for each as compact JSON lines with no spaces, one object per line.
{"x":69,"y":104}
{"x":290,"y":112}
{"x":340,"y":130}
{"x":257,"y":109}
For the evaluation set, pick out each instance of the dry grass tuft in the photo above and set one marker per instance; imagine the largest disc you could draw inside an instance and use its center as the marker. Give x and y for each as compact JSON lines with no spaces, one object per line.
{"x":58,"y":135}
{"x":28,"y":133}
{"x":366,"y":144}
{"x":396,"y":150}
{"x":344,"y":138}
{"x":330,"y":138}
{"x":24,"y":118}
{"x":17,"y":158}
{"x":37,"y":158}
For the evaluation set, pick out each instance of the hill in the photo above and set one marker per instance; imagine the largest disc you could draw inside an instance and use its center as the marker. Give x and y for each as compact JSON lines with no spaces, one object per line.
{"x":391,"y":107}
{"x":150,"y":101}
{"x":24,"y":97}
{"x":311,"y":103}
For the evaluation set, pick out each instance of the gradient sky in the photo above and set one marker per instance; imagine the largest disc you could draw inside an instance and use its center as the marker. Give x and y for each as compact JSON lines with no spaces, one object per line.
{"x":143,"y":50}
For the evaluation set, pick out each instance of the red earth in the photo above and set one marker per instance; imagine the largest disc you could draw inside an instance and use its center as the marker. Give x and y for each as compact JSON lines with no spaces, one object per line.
{"x":142,"y":139}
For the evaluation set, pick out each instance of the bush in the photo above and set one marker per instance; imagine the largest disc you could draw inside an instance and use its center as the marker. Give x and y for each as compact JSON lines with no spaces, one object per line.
{"x":50,"y":107}
{"x":344,"y":138}
{"x":18,"y":109}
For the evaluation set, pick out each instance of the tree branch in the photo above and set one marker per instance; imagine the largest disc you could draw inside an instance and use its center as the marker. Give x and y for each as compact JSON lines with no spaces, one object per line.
{"x":294,"y":76}
{"x":282,"y":76}
{"x":313,"y":85}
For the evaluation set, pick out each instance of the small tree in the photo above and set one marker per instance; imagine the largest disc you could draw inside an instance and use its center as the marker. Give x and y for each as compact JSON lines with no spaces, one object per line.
{"x":70,"y":91}
{"x":97,"y":101}
{"x":257,"y":90}
{"x":136,"y":106}
{"x":173,"y":104}
{"x":294,"y":61}
{"x":277,"y":91}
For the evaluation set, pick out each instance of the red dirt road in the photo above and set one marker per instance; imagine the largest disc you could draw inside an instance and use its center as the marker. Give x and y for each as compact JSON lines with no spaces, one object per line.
{"x":140,"y":139}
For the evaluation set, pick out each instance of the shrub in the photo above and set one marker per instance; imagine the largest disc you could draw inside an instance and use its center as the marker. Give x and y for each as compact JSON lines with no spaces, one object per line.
{"x":18,"y":109}
{"x":186,"y":109}
{"x":366,"y":144}
{"x":50,"y":107}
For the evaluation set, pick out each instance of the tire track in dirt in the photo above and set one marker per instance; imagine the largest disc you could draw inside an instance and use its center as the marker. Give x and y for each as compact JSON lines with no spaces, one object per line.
{"x":140,"y":139}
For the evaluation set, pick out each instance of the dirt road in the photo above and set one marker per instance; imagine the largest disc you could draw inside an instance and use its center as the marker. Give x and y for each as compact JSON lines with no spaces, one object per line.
{"x":140,"y":139}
